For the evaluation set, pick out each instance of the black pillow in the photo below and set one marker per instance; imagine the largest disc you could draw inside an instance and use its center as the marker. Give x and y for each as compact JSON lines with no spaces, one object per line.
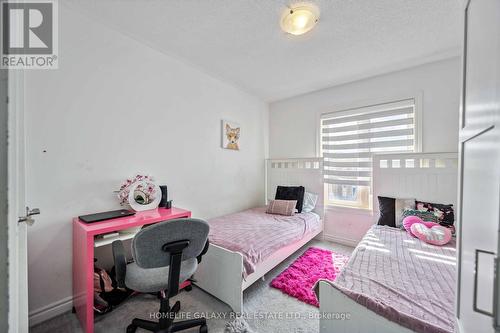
{"x":387,"y":207}
{"x":291,"y":193}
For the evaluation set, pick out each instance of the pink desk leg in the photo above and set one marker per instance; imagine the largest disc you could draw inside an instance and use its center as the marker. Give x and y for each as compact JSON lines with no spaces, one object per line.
{"x":83,"y":286}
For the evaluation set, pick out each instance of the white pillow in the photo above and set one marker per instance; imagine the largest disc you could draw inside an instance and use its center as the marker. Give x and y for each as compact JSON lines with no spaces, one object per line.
{"x":310,"y":200}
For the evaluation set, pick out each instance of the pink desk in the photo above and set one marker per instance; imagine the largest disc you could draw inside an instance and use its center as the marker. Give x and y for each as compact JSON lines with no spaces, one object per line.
{"x":83,"y":254}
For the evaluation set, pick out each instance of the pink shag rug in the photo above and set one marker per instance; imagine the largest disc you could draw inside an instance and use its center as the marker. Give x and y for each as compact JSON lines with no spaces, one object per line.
{"x":300,"y":277}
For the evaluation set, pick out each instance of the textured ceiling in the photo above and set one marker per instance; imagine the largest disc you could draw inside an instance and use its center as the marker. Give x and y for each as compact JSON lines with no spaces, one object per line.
{"x":240,"y":41}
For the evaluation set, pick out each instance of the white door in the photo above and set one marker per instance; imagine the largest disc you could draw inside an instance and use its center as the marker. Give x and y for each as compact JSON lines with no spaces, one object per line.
{"x":480,"y":168}
{"x":3,"y":202}
{"x":18,"y":217}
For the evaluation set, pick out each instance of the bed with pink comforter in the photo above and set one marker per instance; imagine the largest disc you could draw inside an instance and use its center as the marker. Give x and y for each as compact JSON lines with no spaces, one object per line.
{"x":257,"y":235}
{"x":403,"y":279}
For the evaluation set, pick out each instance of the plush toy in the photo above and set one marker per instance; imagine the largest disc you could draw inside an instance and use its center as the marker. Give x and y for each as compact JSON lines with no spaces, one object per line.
{"x":410,"y":220}
{"x":431,"y":234}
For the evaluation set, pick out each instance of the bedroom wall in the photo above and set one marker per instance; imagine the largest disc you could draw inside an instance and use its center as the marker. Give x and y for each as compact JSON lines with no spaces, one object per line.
{"x":294,"y":122}
{"x":116,"y":107}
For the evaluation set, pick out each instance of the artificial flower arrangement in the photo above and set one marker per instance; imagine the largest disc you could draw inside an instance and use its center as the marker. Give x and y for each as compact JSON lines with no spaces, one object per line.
{"x":140,"y":192}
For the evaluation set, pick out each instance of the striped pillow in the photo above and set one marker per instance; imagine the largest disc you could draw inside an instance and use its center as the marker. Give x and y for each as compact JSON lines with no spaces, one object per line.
{"x":281,"y":207}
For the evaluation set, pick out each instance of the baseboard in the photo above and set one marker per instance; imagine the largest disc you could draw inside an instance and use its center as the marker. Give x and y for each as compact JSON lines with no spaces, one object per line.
{"x":320,"y":236}
{"x":50,"y":311}
{"x":459,"y":326}
{"x":341,"y":240}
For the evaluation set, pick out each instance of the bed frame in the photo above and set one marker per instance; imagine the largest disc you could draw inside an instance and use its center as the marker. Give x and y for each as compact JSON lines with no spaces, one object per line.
{"x":221,"y":271}
{"x":431,"y":177}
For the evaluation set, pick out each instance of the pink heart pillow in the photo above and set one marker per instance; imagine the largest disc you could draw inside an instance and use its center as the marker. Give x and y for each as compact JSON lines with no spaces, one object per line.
{"x":435,"y":235}
{"x":410,"y":220}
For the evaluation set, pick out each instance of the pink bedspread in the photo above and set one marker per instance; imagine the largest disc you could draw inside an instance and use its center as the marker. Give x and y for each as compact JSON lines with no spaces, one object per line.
{"x":257,"y":235}
{"x":403,"y":279}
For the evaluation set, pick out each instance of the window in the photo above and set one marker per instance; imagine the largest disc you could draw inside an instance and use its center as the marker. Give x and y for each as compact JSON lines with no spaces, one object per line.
{"x":350,"y":137}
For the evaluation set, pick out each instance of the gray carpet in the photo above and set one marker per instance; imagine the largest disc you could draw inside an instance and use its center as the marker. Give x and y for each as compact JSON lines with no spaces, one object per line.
{"x":262,"y":304}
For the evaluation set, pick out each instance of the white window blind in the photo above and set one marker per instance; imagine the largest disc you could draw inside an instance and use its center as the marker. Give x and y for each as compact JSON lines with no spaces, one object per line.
{"x":350,"y":137}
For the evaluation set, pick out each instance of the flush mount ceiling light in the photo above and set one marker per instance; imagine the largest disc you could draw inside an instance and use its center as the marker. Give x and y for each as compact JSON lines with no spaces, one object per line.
{"x":299,"y":19}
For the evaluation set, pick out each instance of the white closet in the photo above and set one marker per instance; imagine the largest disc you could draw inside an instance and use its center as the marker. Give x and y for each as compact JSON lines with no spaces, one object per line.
{"x":479,"y":211}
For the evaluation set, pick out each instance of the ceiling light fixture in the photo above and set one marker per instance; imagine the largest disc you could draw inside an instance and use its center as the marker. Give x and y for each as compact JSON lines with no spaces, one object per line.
{"x":300,"y":19}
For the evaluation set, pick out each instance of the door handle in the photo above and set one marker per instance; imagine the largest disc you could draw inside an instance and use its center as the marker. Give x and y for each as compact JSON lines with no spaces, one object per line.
{"x":31,"y":212}
{"x":476,"y":270}
{"x":28,"y":217}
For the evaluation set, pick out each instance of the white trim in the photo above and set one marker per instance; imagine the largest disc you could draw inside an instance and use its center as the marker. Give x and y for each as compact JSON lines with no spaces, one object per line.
{"x":340,"y":240}
{"x":318,"y":134}
{"x":50,"y":310}
{"x":369,"y":109}
{"x":17,"y":271}
{"x":418,"y":116}
{"x":349,"y":210}
{"x":459,"y":325}
{"x":461,"y":123}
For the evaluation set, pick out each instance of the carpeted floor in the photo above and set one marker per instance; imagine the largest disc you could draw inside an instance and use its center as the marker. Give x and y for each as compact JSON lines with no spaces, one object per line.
{"x":263,"y":306}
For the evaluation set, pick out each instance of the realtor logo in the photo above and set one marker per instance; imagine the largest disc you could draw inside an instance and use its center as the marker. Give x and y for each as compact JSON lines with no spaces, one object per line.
{"x":29,"y":34}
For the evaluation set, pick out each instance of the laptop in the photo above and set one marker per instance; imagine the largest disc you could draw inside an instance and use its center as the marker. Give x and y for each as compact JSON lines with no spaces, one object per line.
{"x":91,"y":218}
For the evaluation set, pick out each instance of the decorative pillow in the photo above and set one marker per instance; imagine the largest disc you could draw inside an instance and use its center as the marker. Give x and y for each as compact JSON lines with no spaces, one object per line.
{"x":310,"y":200}
{"x":387,"y":211}
{"x":281,"y":207}
{"x":435,"y":235}
{"x":411,"y":220}
{"x":444,"y":213}
{"x":426,"y":216}
{"x":400,"y":206}
{"x":291,"y":193}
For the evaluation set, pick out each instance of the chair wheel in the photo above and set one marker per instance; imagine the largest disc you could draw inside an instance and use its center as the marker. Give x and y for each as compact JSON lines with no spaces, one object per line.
{"x":131,"y":328}
{"x":188,"y":288}
{"x":203,"y":329}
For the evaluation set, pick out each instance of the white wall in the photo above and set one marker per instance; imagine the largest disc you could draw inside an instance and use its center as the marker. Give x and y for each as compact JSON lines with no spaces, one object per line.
{"x":293,"y":123}
{"x":115,"y":107}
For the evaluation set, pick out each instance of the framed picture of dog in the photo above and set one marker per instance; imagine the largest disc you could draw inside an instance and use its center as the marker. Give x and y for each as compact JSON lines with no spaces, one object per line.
{"x":230,"y":135}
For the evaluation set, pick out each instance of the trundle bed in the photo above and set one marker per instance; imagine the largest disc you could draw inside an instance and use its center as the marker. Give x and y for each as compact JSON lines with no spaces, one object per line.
{"x":246,"y":245}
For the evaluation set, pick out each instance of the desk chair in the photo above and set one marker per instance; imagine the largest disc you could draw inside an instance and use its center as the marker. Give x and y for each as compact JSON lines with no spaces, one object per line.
{"x":165,"y":255}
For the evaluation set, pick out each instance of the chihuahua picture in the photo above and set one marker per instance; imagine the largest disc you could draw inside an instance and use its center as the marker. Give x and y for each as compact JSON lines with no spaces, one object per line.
{"x":230,"y":136}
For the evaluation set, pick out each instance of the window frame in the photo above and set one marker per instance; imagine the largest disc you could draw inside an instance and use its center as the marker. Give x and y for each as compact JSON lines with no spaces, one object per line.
{"x":417,"y":98}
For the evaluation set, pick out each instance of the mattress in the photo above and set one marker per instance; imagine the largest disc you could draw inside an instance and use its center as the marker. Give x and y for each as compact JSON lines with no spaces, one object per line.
{"x":257,"y":235}
{"x":403,"y":279}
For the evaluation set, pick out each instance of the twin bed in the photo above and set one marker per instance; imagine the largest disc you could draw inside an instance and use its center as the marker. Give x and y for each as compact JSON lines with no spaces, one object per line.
{"x":245,"y":246}
{"x":392,"y":282}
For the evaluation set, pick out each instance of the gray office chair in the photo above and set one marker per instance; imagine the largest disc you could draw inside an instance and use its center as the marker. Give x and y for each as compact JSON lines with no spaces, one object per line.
{"x":165,"y":255}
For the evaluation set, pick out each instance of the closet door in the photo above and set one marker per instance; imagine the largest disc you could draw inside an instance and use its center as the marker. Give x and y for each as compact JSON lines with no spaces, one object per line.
{"x":479,"y":211}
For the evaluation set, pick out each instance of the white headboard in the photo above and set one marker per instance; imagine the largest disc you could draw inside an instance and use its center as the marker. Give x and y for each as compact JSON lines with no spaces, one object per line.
{"x":307,"y":172}
{"x":431,"y":177}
